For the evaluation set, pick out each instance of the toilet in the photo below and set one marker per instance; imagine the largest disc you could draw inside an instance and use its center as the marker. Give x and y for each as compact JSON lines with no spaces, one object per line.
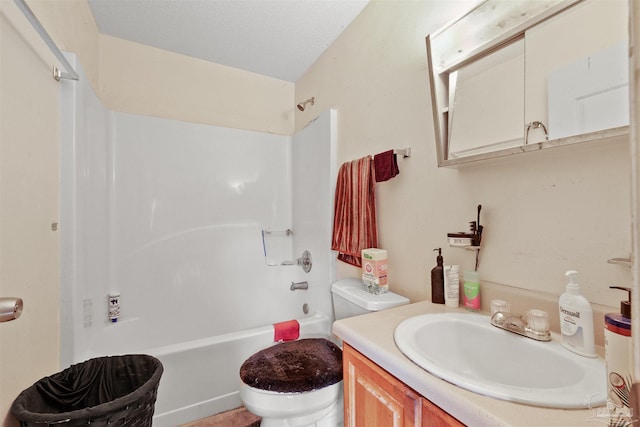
{"x":299,"y":383}
{"x":351,"y":299}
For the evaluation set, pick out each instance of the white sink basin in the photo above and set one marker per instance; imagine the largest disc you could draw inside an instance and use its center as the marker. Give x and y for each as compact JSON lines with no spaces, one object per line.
{"x":466,"y":350}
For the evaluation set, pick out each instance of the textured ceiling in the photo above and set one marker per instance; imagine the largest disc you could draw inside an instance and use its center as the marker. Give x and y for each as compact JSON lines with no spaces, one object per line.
{"x":276,"y":38}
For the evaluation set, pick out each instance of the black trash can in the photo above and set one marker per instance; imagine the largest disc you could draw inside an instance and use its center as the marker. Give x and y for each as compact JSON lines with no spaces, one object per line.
{"x":111,"y":390}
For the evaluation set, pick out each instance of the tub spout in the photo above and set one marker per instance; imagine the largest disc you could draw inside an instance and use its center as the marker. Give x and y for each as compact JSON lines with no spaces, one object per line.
{"x":299,"y":285}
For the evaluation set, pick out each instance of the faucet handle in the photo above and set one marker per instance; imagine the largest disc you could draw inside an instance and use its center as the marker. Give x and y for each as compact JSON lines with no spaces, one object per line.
{"x":499,"y":305}
{"x":305,"y":261}
{"x":538,"y":322}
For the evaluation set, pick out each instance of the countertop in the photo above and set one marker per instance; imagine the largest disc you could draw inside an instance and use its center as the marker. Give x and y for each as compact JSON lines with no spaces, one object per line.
{"x":372,"y":335}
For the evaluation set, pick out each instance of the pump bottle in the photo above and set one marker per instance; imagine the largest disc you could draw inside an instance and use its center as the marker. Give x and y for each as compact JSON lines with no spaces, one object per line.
{"x":576,"y":319}
{"x":618,"y":352}
{"x":437,"y":280}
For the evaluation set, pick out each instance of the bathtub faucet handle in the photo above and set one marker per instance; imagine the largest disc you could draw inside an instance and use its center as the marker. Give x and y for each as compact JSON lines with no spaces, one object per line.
{"x":305,"y":261}
{"x":299,"y":285}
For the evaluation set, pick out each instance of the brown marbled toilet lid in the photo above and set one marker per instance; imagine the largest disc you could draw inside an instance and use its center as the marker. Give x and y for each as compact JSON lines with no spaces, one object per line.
{"x":294,"y":366}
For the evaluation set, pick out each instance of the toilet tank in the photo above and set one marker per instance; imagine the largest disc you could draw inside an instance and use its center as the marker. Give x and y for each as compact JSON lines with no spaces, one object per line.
{"x":350,"y":299}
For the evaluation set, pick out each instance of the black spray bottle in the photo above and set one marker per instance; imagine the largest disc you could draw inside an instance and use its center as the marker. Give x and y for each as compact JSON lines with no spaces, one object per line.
{"x":437,"y":280}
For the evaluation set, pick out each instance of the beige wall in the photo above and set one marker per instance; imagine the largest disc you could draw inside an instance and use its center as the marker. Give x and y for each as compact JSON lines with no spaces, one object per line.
{"x":139,"y":79}
{"x":29,"y":128}
{"x":143,"y":80}
{"x":544,"y":213}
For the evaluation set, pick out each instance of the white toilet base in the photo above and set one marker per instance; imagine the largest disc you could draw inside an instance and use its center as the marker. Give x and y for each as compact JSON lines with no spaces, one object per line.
{"x":334,"y":417}
{"x":318,"y":408}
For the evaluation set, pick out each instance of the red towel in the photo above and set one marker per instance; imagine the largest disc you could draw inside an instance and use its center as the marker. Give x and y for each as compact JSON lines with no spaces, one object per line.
{"x":286,"y":331}
{"x":354,"y":220}
{"x":386,"y":166}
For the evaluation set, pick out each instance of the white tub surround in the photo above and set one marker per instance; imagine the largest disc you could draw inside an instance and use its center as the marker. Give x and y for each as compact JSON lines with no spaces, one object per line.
{"x":182,"y":220}
{"x":372,"y":335}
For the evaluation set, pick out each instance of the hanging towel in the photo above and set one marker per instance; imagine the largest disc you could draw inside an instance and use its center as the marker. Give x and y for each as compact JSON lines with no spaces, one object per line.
{"x":286,"y":331}
{"x":386,"y":166}
{"x":354,"y":220}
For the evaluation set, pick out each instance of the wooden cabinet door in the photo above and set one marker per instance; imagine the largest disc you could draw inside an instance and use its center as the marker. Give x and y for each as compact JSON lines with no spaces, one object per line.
{"x":375,"y":398}
{"x":433,"y":416}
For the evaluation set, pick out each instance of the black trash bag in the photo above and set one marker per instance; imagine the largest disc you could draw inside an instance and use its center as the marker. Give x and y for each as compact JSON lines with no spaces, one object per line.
{"x":100,"y":388}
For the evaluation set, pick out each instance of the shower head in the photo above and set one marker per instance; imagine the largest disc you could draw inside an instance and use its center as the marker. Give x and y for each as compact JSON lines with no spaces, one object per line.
{"x":301,"y":106}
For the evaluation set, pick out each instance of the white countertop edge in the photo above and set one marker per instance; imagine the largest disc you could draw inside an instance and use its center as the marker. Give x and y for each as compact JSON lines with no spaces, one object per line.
{"x":372,"y":335}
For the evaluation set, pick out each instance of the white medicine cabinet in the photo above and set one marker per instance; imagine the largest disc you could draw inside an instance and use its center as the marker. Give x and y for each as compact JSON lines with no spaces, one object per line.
{"x":513,"y":76}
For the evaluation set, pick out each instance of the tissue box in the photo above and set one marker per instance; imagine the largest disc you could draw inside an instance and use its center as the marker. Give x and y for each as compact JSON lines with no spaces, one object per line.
{"x":374,"y":270}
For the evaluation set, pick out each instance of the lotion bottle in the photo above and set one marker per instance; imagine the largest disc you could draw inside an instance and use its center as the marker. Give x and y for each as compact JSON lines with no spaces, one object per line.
{"x":452,"y":285}
{"x":437,"y":280}
{"x":618,"y":353}
{"x":471,"y":290}
{"x":576,"y":319}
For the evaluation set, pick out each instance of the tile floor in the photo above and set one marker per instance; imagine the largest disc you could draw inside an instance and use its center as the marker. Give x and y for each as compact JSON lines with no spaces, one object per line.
{"x":238,"y":417}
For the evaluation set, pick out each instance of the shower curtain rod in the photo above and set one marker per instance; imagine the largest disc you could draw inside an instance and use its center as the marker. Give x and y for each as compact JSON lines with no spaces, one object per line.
{"x":57,"y":74}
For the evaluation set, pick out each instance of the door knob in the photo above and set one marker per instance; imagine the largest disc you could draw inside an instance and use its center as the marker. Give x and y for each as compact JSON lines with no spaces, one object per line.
{"x":10,"y":308}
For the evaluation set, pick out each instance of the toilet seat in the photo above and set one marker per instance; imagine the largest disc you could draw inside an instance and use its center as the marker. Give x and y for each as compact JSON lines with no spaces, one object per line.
{"x":294,"y":366}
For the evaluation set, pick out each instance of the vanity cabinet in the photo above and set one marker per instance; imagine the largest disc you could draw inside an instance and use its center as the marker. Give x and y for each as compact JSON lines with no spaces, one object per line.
{"x":373,"y":397}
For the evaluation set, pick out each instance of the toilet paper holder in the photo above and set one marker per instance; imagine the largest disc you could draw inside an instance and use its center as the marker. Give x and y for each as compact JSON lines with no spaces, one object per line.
{"x":10,"y":308}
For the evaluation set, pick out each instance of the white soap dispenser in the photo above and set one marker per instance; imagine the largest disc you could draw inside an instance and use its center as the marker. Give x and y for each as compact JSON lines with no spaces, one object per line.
{"x":576,"y":319}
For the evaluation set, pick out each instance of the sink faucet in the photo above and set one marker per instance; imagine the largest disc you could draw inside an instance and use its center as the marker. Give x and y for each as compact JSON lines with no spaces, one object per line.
{"x":534,"y":325}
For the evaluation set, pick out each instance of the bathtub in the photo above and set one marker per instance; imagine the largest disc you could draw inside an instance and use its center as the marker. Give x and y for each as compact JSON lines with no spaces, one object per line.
{"x":201,"y":376}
